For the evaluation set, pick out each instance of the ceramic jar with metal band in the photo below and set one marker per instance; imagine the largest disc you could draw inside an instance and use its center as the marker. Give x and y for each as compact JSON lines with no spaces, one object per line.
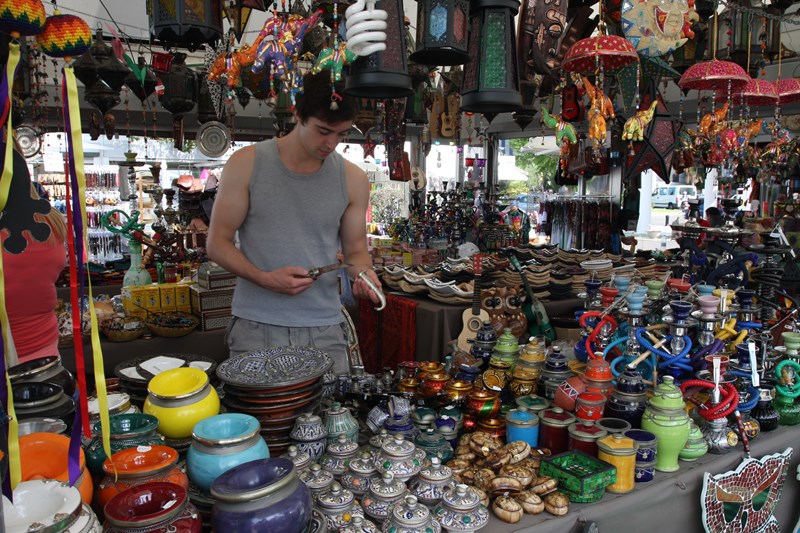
{"x":360,"y":473}
{"x":553,"y":430}
{"x":619,"y":451}
{"x":180,"y":398}
{"x":41,"y":369}
{"x":583,"y":436}
{"x":666,"y":418}
{"x":316,"y":479}
{"x":589,"y":406}
{"x":482,"y":403}
{"x":155,"y":507}
{"x":222,"y":442}
{"x":522,"y":425}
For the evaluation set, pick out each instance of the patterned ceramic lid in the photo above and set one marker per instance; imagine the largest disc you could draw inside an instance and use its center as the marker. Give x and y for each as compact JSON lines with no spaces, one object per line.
{"x":409,"y":513}
{"x":461,"y":497}
{"x":335,"y":498}
{"x":398,"y":447}
{"x":300,"y":459}
{"x":533,"y":402}
{"x":436,"y":471}
{"x":520,"y":417}
{"x":430,"y":438}
{"x":586,"y":431}
{"x":316,"y":478}
{"x":363,"y":465}
{"x":342,"y":447}
{"x":308,"y":427}
{"x":617,"y":444}
{"x":387,"y":487}
{"x":376,"y":441}
{"x":359,"y":524}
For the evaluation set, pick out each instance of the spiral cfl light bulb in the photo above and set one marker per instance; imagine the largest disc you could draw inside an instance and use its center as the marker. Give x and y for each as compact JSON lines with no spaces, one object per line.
{"x":365,"y":26}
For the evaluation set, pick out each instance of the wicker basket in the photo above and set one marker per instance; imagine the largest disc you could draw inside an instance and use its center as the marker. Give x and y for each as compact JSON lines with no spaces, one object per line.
{"x":166,"y":331}
{"x":123,"y":335}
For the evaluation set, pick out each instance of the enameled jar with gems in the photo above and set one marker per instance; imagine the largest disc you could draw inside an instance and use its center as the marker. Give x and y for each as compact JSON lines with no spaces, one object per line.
{"x":461,"y":510}
{"x":383,"y":494}
{"x":360,"y":473}
{"x":401,"y":458}
{"x":338,"y":456}
{"x":339,"y":506}
{"x":316,"y":479}
{"x":409,"y":516}
{"x":359,"y":524}
{"x":339,"y":421}
{"x":431,"y":482}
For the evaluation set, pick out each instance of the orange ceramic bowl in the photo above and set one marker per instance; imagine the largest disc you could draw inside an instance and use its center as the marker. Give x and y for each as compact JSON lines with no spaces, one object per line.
{"x":44,"y":456}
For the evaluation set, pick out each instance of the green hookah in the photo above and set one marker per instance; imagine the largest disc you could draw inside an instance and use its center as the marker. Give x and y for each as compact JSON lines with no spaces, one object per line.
{"x":132,"y":230}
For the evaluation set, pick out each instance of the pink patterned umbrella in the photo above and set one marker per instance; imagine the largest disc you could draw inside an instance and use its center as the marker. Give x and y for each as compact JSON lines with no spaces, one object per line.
{"x":788,"y":90}
{"x":755,"y":93}
{"x":714,"y":76}
{"x":613,"y":52}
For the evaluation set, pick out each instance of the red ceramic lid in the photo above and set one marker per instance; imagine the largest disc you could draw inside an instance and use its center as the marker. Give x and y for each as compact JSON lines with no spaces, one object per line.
{"x":556,"y":417}
{"x":140,"y":460}
{"x":586,"y":431}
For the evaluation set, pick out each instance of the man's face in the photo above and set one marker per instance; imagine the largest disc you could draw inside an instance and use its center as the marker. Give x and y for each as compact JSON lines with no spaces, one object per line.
{"x":320,"y":138}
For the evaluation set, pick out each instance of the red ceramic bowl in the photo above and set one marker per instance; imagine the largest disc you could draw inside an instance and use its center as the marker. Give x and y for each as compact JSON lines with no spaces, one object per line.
{"x":150,"y":506}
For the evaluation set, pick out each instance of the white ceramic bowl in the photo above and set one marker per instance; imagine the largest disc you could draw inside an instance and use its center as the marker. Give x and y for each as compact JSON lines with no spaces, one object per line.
{"x":45,"y":502}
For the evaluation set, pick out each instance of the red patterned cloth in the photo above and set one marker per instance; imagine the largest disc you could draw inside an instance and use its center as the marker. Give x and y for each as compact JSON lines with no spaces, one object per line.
{"x":388,"y":337}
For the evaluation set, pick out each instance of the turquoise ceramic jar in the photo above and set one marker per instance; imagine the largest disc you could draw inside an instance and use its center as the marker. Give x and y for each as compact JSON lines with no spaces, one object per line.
{"x":222,"y":442}
{"x":522,"y":425}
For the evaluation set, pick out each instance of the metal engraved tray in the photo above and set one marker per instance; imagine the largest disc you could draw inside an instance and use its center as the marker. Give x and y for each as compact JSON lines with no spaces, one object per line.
{"x":281,"y":366}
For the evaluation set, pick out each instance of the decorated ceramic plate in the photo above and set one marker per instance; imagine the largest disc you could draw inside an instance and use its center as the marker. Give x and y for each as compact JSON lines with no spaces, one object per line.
{"x":277,"y":367}
{"x":657,"y":27}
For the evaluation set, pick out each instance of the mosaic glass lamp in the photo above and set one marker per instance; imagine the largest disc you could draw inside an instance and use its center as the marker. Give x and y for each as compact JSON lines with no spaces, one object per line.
{"x":185,"y":23}
{"x":441,"y":32}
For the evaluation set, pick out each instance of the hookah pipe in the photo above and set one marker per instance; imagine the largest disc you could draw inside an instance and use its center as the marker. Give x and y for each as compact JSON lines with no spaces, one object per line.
{"x":608,"y":293}
{"x":785,"y":387}
{"x":131,"y":229}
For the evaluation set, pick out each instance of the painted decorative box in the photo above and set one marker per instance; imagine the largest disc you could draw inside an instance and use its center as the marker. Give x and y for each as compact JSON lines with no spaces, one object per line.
{"x":580,"y":476}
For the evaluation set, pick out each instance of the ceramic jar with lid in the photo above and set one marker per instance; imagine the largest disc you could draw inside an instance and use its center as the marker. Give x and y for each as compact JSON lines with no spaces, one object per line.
{"x":583,"y":436}
{"x":359,"y":524}
{"x":434,"y":444}
{"x":409,"y":516}
{"x":127,"y":431}
{"x":457,"y":389}
{"x":461,"y":510}
{"x":360,"y":473}
{"x":589,"y":406}
{"x":599,"y":377}
{"x":696,"y":445}
{"x":431,"y":482}
{"x":450,"y":422}
{"x":619,"y":451}
{"x":339,"y":421}
{"x":555,"y":371}
{"x":401,"y":425}
{"x":628,"y":398}
{"x":766,"y":415}
{"x":376,"y":442}
{"x":522,"y":425}
{"x":180,"y":398}
{"x":316,"y":479}
{"x":553,"y":429}
{"x":383,"y":494}
{"x":422,"y":417}
{"x":401,"y":458}
{"x":498,"y":375}
{"x":507,"y":348}
{"x":482,"y":403}
{"x":338,"y":505}
{"x":156,"y":507}
{"x":338,"y":456}
{"x":220,"y":443}
{"x":262,"y":495}
{"x":523,"y":383}
{"x":666,"y":418}
{"x":568,"y":391}
{"x":301,"y":460}
{"x":533,"y":402}
{"x":310,"y":435}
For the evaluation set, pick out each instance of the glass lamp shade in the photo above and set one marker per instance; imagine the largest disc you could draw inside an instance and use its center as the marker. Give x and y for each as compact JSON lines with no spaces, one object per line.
{"x":384,"y":74}
{"x":101,"y":65}
{"x":491,"y":81}
{"x":180,"y":87}
{"x":441,"y":32}
{"x":185,"y":23}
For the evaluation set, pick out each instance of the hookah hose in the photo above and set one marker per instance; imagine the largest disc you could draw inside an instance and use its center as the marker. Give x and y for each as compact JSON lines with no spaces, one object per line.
{"x":729,"y":399}
{"x":784,"y":386}
{"x":604,"y":319}
{"x":752,"y":392}
{"x":670,"y":360}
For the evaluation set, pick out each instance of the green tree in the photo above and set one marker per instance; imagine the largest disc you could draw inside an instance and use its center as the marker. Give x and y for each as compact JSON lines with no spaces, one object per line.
{"x":541,"y":168}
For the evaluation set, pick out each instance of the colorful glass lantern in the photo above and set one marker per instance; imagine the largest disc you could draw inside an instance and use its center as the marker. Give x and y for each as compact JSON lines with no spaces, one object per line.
{"x":64,"y":36}
{"x":788,"y":90}
{"x":185,"y":23}
{"x":441,"y":32}
{"x":660,"y":139}
{"x":490,"y":83}
{"x":755,"y":93}
{"x":22,"y":17}
{"x":384,"y":74}
{"x":180,"y":94}
{"x":238,"y":13}
{"x":714,"y":75}
{"x":608,"y":51}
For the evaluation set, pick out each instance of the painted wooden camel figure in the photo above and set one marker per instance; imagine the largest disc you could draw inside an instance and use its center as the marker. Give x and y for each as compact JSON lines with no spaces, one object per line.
{"x":600,"y":109}
{"x":713,"y":122}
{"x":634,"y":126}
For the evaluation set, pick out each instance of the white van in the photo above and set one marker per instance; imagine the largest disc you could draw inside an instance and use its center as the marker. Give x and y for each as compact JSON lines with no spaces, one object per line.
{"x":670,"y":196}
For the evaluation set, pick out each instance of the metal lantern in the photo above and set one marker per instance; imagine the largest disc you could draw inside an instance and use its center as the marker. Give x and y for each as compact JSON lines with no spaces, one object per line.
{"x":384,"y":74}
{"x":441,"y":32}
{"x":101,"y":65}
{"x":180,"y":94}
{"x":142,"y":83}
{"x":185,"y":23}
{"x":238,"y":13}
{"x":490,"y":83}
{"x":660,"y":140}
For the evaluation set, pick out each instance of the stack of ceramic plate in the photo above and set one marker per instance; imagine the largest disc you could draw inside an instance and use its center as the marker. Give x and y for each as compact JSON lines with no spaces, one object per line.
{"x":560,"y":287}
{"x":34,"y":399}
{"x":601,"y":268}
{"x":135,"y":374}
{"x":275,"y":385}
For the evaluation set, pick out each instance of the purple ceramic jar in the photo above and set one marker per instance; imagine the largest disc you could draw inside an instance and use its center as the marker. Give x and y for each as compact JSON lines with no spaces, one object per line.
{"x":261,"y":495}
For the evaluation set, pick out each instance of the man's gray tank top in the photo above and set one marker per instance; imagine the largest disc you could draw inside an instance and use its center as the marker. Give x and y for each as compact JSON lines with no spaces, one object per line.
{"x":293,"y":220}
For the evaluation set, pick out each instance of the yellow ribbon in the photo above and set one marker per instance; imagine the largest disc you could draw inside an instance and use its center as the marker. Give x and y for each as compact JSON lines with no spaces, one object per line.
{"x":73,"y":108}
{"x":15,"y":469}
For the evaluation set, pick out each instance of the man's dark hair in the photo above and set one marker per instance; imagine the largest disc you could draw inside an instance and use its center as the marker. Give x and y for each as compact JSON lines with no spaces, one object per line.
{"x":315,"y":100}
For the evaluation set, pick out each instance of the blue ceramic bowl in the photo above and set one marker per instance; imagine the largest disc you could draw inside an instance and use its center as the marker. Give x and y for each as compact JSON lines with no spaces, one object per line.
{"x":644,"y":472}
{"x":222,"y":442}
{"x":645,"y":444}
{"x":263,"y":495}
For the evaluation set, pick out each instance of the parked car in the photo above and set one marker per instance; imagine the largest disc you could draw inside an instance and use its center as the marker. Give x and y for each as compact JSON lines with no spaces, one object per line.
{"x":671,"y":196}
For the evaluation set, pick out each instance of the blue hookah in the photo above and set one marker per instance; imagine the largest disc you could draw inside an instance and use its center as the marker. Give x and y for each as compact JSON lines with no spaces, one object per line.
{"x":635,"y":313}
{"x":675,"y":360}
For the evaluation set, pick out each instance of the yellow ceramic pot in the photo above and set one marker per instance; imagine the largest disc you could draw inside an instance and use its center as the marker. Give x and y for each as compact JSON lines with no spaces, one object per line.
{"x":180,"y":398}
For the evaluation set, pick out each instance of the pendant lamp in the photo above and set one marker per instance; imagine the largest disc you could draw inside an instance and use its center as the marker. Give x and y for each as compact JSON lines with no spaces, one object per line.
{"x":179,"y":95}
{"x":383,"y":74}
{"x":185,"y":23}
{"x":490,"y":83}
{"x":64,"y":36}
{"x":608,"y":52}
{"x":714,"y":75}
{"x":441,"y":32}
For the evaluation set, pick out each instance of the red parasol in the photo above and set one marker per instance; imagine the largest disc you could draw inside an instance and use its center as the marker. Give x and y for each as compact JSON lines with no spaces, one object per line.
{"x":613,"y":52}
{"x":755,"y":93}
{"x":714,"y":75}
{"x":788,"y":90}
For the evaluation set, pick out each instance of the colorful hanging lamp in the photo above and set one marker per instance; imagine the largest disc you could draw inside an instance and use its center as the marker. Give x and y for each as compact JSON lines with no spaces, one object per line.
{"x":490,"y":83}
{"x":609,"y":52}
{"x":22,"y":17}
{"x":441,"y":32}
{"x":64,"y":36}
{"x":185,"y":23}
{"x":660,"y":140}
{"x":788,"y":90}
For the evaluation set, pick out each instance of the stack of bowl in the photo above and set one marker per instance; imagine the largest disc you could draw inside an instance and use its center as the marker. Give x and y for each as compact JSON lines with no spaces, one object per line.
{"x":42,"y":399}
{"x":135,"y":374}
{"x":275,"y":385}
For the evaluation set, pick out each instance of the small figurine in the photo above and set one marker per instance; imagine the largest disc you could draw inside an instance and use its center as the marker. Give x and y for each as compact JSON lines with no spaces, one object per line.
{"x":600,"y":110}
{"x":564,"y":130}
{"x":713,"y":122}
{"x":634,"y":126}
{"x":334,"y":59}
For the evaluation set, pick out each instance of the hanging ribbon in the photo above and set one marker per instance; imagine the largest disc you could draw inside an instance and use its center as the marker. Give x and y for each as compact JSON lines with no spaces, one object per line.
{"x":9,"y":351}
{"x":77,"y":186}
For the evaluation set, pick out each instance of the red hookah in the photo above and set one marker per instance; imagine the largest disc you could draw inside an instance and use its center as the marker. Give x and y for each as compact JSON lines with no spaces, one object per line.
{"x":607,"y":296}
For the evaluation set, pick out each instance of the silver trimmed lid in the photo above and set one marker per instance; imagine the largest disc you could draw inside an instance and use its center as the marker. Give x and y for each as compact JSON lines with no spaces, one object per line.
{"x":461,"y":498}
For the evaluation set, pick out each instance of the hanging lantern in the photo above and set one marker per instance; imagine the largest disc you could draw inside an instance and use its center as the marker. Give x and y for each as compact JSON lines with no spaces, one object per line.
{"x":441,"y":32}
{"x":660,"y":140}
{"x":490,"y":83}
{"x":100,"y":64}
{"x":714,"y":75}
{"x":185,"y":23}
{"x":180,"y":94}
{"x":258,"y":84}
{"x":238,"y":13}
{"x":22,"y":17}
{"x":757,"y":93}
{"x":608,"y":51}
{"x":143,"y":81}
{"x":383,"y":74}
{"x":284,"y":114}
{"x":64,"y":36}
{"x":788,"y":90}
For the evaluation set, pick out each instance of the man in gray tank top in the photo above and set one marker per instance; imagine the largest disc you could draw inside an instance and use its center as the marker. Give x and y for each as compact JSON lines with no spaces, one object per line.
{"x":293,"y":201}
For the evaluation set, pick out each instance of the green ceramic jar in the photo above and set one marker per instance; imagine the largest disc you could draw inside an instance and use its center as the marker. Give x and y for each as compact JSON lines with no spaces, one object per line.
{"x":696,"y":445}
{"x":667,"y":420}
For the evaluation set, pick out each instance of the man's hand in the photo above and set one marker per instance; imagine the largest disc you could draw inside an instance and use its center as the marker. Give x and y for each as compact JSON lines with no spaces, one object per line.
{"x":289,"y":280}
{"x":362,"y":290}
